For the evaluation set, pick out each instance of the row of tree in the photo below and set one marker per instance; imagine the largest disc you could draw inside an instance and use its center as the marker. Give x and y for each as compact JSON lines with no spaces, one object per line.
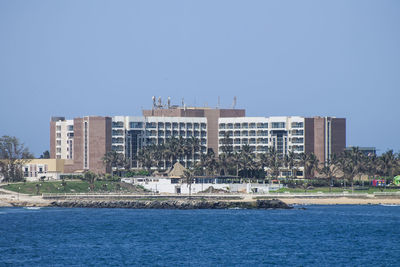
{"x":269,"y":164}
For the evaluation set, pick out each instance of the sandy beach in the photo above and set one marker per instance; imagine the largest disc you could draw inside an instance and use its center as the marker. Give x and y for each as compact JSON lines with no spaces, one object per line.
{"x":341,"y":201}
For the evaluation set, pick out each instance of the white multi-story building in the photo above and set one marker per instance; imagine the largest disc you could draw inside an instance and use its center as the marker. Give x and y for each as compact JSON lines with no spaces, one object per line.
{"x":129,"y":134}
{"x":260,"y":133}
{"x":64,"y":139}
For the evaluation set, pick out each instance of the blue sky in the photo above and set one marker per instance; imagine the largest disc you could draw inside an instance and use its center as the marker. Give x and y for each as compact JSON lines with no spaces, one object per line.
{"x":75,"y":58}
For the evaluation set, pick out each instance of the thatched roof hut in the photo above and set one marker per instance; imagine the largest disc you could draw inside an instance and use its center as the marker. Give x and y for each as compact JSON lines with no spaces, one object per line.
{"x":177,"y":171}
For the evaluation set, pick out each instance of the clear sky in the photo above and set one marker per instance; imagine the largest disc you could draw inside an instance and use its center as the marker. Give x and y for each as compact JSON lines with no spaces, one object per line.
{"x":76,"y":58}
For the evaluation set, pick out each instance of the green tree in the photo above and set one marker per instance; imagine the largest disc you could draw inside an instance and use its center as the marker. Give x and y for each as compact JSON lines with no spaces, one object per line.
{"x":351,"y":163}
{"x":114,"y":160}
{"x":275,"y":162}
{"x":13,"y":156}
{"x":145,"y":158}
{"x":45,"y":155}
{"x":330,"y":169}
{"x":224,"y":162}
{"x":90,"y":177}
{"x":188,"y":178}
{"x":388,"y":164}
{"x":227,"y":144}
{"x":194,"y":146}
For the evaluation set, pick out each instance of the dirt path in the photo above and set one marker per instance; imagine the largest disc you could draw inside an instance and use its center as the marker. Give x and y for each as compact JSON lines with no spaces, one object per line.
{"x":11,"y":198}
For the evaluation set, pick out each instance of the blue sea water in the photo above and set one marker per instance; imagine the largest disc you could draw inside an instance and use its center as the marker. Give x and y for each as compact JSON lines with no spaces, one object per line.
{"x":317,"y":236}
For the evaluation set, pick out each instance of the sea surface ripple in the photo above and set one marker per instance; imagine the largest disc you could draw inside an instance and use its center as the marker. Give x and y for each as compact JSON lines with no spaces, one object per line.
{"x":318,"y":236}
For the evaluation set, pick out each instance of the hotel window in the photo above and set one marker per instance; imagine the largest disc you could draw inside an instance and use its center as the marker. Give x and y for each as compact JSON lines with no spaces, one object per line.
{"x":150,"y":125}
{"x":136,"y":124}
{"x":252,"y":125}
{"x":58,"y":128}
{"x":222,"y":125}
{"x":117,"y":124}
{"x":297,"y":125}
{"x":58,"y":135}
{"x":237,"y":125}
{"x":278,"y":125}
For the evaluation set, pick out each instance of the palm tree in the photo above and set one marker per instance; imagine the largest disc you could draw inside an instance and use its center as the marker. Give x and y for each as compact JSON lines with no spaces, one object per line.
{"x":113,"y":159}
{"x":371,"y":165}
{"x":145,"y":158}
{"x":90,"y":177}
{"x":309,"y":162}
{"x":388,"y":163}
{"x":156,"y":152}
{"x":275,"y":162}
{"x":247,"y":158}
{"x":194,"y":145}
{"x":173,"y":149}
{"x":227,"y":144}
{"x":211,"y":164}
{"x":188,"y":177}
{"x":224,"y":162}
{"x":236,"y":160}
{"x":290,"y":161}
{"x":313,"y":163}
{"x":329,"y":170}
{"x":263,"y":161}
{"x":351,"y":163}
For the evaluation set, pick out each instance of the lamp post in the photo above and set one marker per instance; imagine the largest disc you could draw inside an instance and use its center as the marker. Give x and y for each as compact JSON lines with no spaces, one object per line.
{"x":19,"y":188}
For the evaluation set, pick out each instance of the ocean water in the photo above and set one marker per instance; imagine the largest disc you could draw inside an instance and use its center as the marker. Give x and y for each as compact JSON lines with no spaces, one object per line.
{"x":317,"y":236}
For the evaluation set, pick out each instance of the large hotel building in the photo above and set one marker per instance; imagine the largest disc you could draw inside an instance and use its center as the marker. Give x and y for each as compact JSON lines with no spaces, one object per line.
{"x":82,"y":142}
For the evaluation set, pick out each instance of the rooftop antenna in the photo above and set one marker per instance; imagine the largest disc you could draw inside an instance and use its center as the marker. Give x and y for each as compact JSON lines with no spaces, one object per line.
{"x":234,"y":102}
{"x":183,"y":102}
{"x":169,"y":102}
{"x":219,"y":102}
{"x":159,"y":102}
{"x":154,"y":101}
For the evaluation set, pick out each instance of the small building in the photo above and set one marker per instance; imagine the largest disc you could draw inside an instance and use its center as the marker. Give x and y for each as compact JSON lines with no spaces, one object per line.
{"x":48,"y":169}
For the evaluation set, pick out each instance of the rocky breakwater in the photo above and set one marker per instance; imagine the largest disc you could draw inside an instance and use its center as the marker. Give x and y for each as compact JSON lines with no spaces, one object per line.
{"x":173,"y":204}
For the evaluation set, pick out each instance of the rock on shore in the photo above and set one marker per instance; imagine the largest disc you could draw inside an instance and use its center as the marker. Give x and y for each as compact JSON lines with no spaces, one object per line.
{"x":172,"y":204}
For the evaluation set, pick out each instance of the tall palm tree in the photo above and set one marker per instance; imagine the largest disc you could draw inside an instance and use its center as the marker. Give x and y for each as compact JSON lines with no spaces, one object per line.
{"x":351,"y":163}
{"x":290,"y":162}
{"x":388,"y":163}
{"x":113,"y":159}
{"x":309,"y":162}
{"x":227,"y":144}
{"x":236,"y":160}
{"x":329,"y":170}
{"x":263,"y":161}
{"x":275,"y":162}
{"x":188,"y":178}
{"x":247,"y":159}
{"x":211,"y":163}
{"x":145,"y":158}
{"x":194,"y":144}
{"x":173,"y":150}
{"x":224,"y":162}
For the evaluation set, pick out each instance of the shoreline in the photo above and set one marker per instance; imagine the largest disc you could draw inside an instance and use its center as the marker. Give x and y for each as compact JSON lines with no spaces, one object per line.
{"x":13,"y":199}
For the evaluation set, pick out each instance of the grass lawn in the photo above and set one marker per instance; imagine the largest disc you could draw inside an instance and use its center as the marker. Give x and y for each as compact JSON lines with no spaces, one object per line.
{"x":335,"y":190}
{"x":72,"y":186}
